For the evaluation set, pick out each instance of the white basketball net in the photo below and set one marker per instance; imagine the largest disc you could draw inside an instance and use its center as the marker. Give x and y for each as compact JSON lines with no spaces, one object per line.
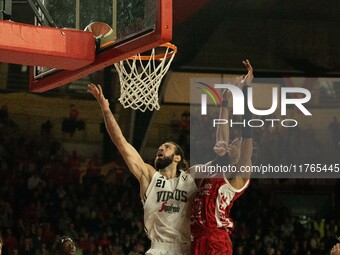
{"x":140,"y":77}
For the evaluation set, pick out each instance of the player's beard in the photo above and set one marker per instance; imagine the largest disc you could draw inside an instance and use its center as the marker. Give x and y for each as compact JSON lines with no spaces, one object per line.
{"x":163,"y":162}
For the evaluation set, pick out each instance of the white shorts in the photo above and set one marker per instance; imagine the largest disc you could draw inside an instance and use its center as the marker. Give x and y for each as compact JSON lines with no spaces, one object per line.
{"x":169,"y":249}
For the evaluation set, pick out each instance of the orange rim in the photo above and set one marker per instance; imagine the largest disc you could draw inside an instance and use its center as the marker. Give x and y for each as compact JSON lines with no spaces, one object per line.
{"x":158,"y":56}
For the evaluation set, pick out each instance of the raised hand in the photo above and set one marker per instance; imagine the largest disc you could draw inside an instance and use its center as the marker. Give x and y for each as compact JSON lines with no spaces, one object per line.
{"x":97,"y":92}
{"x":245,"y":79}
{"x":249,"y":77}
{"x":221,"y":148}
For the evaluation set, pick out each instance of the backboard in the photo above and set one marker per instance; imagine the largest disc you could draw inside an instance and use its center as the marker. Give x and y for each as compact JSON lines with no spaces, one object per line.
{"x":128,"y":18}
{"x":137,"y":26}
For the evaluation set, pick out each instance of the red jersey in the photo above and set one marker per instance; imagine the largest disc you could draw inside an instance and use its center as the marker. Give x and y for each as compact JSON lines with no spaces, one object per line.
{"x":212,"y":205}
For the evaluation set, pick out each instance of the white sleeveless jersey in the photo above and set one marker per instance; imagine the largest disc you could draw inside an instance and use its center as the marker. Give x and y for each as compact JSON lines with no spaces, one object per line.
{"x":167,"y":208}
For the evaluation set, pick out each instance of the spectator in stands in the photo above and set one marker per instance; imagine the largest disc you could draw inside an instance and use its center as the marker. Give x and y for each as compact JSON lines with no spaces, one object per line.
{"x":93,"y":170}
{"x":73,"y":115}
{"x":72,"y":123}
{"x":27,"y":248}
{"x":334,"y":128}
{"x":34,"y":181}
{"x":46,"y":129}
{"x":184,"y":132}
{"x":74,"y":167}
{"x":10,"y":241}
{"x":4,"y":114}
{"x":42,"y":250}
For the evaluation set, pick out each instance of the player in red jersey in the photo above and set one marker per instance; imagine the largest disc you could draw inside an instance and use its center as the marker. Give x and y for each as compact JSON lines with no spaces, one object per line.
{"x":212,"y":224}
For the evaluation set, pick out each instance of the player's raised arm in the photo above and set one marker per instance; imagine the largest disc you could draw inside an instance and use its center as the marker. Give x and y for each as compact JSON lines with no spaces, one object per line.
{"x":221,"y":147}
{"x":246,"y":146}
{"x":142,"y":171}
{"x":222,"y":132}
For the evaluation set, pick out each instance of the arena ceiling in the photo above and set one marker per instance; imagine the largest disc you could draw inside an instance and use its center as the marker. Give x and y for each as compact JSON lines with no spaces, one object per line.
{"x":289,"y":37}
{"x":279,"y":37}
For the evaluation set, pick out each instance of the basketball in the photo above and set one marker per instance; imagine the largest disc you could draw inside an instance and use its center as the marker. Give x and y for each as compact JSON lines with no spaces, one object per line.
{"x":102,"y":32}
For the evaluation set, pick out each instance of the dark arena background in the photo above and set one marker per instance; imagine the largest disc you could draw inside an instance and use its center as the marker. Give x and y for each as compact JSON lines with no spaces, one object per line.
{"x":60,"y":174}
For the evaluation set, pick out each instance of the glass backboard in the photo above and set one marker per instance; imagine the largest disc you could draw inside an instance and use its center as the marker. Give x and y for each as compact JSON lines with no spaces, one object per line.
{"x":137,"y":25}
{"x":127,"y":18}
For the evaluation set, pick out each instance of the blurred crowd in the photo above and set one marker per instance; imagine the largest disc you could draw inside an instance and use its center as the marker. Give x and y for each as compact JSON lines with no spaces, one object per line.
{"x":44,"y":193}
{"x":265,"y":226}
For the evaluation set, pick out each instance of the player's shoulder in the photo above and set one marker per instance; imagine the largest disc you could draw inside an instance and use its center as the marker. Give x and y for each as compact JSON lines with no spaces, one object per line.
{"x":238,"y":184}
{"x":185,"y":174}
{"x":150,"y":171}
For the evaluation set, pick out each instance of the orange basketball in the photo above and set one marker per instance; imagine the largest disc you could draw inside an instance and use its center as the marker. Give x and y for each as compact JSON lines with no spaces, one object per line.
{"x":102,"y":32}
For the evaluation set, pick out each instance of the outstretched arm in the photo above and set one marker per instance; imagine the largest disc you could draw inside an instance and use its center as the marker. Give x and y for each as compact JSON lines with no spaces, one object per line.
{"x":143,"y":172}
{"x":246,"y":150}
{"x":221,"y":147}
{"x":222,"y":133}
{"x":239,"y":151}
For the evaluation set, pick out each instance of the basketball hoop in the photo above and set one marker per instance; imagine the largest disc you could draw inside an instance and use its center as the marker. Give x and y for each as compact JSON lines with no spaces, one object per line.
{"x":141,"y":75}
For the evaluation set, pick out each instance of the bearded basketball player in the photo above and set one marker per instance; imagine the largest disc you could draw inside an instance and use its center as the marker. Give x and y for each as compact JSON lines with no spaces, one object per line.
{"x":166,"y":189}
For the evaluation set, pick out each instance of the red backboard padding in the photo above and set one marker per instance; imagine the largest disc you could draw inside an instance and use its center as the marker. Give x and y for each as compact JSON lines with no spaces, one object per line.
{"x":31,"y":45}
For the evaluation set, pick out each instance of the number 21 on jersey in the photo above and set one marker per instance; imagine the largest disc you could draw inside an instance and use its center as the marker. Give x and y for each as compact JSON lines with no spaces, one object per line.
{"x":160,"y":183}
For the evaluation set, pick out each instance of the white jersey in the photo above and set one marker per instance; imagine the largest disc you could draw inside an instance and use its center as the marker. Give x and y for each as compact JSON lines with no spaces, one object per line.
{"x":167,"y":208}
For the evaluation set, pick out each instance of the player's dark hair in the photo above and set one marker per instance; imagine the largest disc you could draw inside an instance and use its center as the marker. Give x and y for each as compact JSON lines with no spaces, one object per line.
{"x":183,"y":164}
{"x":64,"y":246}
